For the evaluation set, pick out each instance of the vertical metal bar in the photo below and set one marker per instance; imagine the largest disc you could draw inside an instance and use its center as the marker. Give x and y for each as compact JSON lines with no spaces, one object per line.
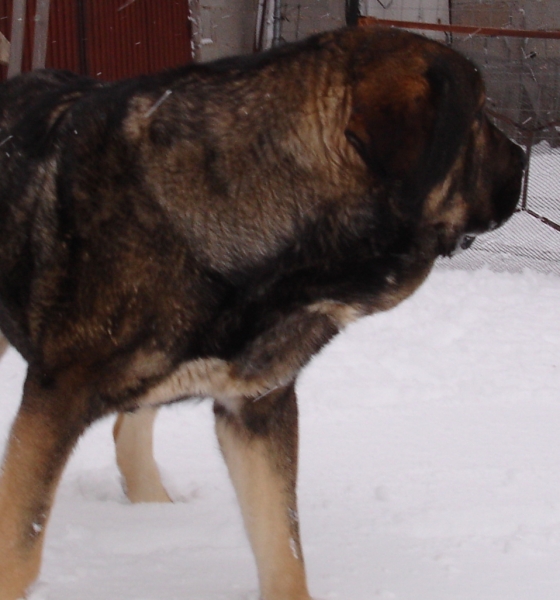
{"x":259,"y":26}
{"x":18,"y":32}
{"x":277,"y":24}
{"x":41,"y":34}
{"x":82,"y":35}
{"x":195,"y":27}
{"x":530,"y":143}
{"x":352,"y":12}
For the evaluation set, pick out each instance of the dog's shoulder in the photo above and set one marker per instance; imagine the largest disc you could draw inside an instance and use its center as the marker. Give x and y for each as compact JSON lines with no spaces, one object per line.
{"x":32,"y":107}
{"x":37,"y":92}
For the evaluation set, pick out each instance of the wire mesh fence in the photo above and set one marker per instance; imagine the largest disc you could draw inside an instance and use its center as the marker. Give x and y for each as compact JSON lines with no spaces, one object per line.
{"x":523,"y":83}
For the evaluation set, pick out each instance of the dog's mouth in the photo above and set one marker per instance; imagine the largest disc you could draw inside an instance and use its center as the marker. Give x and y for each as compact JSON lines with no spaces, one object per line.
{"x":464,"y":242}
{"x":453,"y":243}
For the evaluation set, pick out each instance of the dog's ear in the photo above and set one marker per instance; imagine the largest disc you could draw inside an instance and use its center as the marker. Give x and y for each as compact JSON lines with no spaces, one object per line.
{"x":406,"y":124}
{"x":392,"y":118}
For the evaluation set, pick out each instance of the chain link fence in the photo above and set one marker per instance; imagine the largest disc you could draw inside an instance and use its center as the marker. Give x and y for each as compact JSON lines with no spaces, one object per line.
{"x":523,"y":84}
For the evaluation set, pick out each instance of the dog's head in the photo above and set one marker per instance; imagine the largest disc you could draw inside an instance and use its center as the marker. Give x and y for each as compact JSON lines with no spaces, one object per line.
{"x":418,"y":121}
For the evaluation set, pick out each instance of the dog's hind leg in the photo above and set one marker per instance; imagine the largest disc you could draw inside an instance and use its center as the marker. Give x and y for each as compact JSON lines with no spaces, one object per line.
{"x":259,"y":445}
{"x":52,"y":416}
{"x":133,"y":433}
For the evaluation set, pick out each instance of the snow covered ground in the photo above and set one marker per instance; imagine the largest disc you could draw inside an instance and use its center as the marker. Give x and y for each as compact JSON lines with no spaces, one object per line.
{"x":430,"y":466}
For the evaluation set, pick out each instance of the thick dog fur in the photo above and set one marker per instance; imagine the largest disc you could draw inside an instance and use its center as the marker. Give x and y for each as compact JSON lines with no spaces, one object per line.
{"x":205,"y":231}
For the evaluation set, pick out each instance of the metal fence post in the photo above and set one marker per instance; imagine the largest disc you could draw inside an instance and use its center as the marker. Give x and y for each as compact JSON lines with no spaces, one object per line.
{"x":41,"y":34}
{"x":18,"y":32}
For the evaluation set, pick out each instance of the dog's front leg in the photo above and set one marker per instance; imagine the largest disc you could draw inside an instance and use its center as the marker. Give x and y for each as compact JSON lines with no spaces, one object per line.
{"x":49,"y":422}
{"x":3,"y":344}
{"x":260,"y":446}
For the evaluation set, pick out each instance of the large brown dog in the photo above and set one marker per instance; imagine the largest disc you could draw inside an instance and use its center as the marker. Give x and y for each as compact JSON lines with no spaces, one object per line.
{"x":205,"y":231}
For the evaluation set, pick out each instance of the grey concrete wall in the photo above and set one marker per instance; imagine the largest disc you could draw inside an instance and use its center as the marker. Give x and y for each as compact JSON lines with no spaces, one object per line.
{"x":423,"y":11}
{"x":301,"y":19}
{"x":518,"y":14}
{"x":227,"y":27}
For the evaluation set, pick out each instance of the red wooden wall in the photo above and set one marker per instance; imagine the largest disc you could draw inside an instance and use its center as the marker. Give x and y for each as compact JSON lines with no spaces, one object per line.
{"x":109,"y":39}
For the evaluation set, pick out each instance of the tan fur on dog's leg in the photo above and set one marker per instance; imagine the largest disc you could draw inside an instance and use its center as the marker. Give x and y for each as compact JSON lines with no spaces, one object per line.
{"x":4,"y":345}
{"x":19,"y":562}
{"x":260,"y":449}
{"x":133,"y":433}
{"x":43,"y":434}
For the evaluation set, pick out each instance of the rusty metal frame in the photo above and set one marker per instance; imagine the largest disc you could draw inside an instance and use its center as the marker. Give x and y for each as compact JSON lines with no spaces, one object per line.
{"x":550,"y":34}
